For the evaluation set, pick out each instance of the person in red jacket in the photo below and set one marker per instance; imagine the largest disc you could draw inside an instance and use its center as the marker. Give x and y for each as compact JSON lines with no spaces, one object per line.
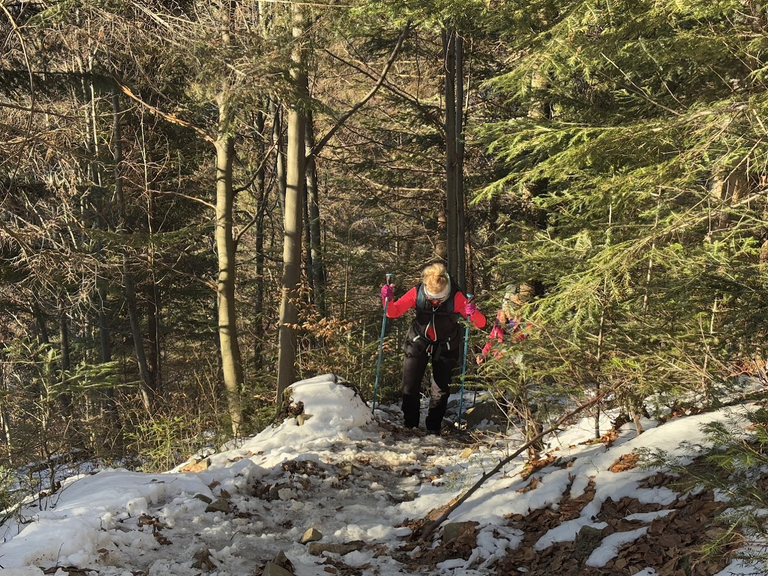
{"x":508,"y":326}
{"x":435,"y":336}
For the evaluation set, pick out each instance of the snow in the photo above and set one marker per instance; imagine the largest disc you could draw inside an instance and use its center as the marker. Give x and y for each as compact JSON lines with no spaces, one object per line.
{"x":344,"y":472}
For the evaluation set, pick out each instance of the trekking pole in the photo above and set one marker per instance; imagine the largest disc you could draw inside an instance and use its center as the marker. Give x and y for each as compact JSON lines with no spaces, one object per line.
{"x":464,"y":364}
{"x":381,"y":347}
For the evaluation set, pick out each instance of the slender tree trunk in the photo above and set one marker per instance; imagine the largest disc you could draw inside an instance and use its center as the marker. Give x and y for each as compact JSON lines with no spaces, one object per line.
{"x":231,"y":361}
{"x":451,"y":221}
{"x":147,"y":392}
{"x":307,"y":252}
{"x":65,"y":400}
{"x":153,"y":294}
{"x":313,"y":201}
{"x":40,"y":324}
{"x":462,"y":246}
{"x":453,"y":56}
{"x":104,"y":344}
{"x":277,"y":136}
{"x":295,"y":181}
{"x":261,"y":209}
{"x":147,"y":389}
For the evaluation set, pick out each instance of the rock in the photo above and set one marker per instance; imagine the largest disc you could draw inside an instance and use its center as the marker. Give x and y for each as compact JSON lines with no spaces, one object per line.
{"x":483,"y":411}
{"x":453,"y":530}
{"x":303,"y":417}
{"x":272,"y":569}
{"x":587,"y":541}
{"x":317,"y":548}
{"x":196,"y":465}
{"x":311,"y":535}
{"x":203,"y":560}
{"x":204,"y":498}
{"x":282,"y":560}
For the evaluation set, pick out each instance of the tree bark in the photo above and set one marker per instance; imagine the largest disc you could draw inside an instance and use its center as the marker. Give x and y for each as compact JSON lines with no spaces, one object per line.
{"x":456,"y":246}
{"x":231,"y":362}
{"x":451,"y":222}
{"x":462,"y":246}
{"x":313,"y":209}
{"x":277,"y":136}
{"x":261,"y":209}
{"x":295,"y":181}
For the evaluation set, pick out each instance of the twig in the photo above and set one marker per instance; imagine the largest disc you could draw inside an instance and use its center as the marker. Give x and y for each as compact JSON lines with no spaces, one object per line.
{"x":170,"y":117}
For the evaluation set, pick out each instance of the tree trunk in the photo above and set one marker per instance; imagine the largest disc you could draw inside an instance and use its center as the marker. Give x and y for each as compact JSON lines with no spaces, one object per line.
{"x":451,"y":222}
{"x":261,"y":209}
{"x":277,"y":136}
{"x":41,"y":326}
{"x":147,"y":389}
{"x":462,"y":246}
{"x":231,"y":362}
{"x":104,"y":345}
{"x":295,"y":181}
{"x":453,"y":55}
{"x":313,"y":203}
{"x":65,"y":399}
{"x":153,"y":299}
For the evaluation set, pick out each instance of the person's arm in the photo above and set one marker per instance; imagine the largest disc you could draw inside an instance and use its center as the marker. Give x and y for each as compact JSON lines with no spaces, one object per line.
{"x":460,"y":303}
{"x":401,"y":306}
{"x":497,"y":332}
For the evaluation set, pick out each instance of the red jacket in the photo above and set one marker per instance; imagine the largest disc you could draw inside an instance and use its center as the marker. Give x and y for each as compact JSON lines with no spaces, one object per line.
{"x":408,"y":302}
{"x":516,"y":328}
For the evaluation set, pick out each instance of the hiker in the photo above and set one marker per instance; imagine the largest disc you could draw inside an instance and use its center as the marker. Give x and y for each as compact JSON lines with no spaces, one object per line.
{"x":434,"y":334}
{"x":509,"y":328}
{"x":507,"y":324}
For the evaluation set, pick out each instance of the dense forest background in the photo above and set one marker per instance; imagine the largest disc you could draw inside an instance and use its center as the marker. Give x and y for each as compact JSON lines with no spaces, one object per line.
{"x":201,"y":200}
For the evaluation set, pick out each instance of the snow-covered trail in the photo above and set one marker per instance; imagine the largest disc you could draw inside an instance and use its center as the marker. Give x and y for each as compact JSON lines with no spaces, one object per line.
{"x":355,"y":482}
{"x":361,"y":483}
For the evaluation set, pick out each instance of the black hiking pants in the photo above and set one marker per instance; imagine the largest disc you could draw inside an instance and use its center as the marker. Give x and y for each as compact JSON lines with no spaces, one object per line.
{"x":443,"y":366}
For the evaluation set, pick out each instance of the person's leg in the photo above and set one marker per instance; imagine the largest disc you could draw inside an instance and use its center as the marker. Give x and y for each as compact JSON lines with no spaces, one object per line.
{"x":413,"y":372}
{"x":442,"y":370}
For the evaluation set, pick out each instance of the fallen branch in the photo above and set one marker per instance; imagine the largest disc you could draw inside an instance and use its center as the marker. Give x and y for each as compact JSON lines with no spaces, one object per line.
{"x":430,"y":527}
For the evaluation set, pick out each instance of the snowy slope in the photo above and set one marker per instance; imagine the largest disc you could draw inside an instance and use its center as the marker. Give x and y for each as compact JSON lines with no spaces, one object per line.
{"x":363,"y":483}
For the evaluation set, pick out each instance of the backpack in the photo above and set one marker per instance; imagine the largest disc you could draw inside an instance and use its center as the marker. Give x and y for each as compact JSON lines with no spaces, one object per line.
{"x":423,"y":305}
{"x":416,"y":341}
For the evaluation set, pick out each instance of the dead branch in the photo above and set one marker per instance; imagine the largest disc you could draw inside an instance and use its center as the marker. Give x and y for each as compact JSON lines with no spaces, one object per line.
{"x":430,"y":527}
{"x":170,"y":117}
{"x":344,"y":117}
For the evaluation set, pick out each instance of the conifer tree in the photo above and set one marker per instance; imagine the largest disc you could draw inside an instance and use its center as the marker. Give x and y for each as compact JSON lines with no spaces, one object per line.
{"x":649,"y":171}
